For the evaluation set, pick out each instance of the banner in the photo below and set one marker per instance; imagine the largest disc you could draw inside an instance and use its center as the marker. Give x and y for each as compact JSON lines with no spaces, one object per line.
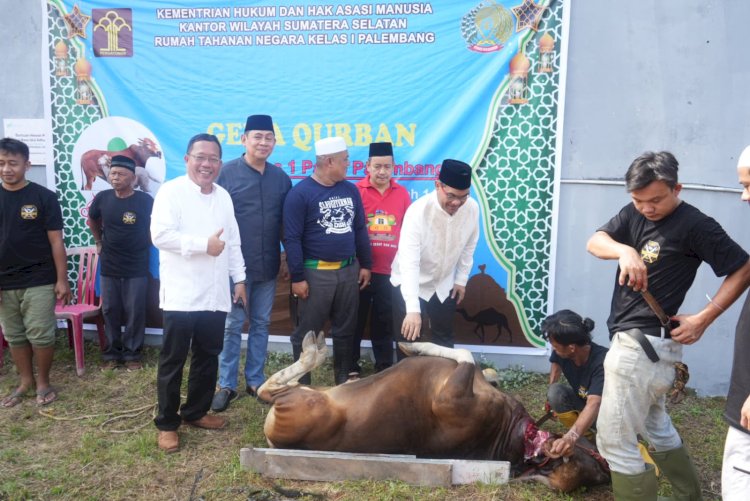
{"x":475,"y":81}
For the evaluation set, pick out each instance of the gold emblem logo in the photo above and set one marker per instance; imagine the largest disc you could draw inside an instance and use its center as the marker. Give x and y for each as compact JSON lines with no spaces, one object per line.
{"x":113,"y":32}
{"x":128,"y":217}
{"x":650,"y":252}
{"x":29,"y":212}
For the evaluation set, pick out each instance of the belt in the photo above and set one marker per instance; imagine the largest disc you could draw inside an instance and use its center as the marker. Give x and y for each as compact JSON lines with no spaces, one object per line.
{"x":640,"y":336}
{"x":660,"y":332}
{"x":318,"y":264}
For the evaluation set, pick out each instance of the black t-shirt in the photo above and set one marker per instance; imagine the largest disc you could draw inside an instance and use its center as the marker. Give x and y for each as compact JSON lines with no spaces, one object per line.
{"x":125,"y":232}
{"x":26,"y":216}
{"x":672,"y":249}
{"x":587,"y":379}
{"x":739,"y":384}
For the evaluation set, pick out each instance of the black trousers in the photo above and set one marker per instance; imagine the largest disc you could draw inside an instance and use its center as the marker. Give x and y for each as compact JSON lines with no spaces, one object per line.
{"x":201,"y":332}
{"x":440,"y":317}
{"x":124,"y":303}
{"x":375,"y":302}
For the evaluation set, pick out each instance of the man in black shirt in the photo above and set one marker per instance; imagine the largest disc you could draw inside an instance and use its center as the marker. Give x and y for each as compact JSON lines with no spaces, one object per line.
{"x":33,"y":272}
{"x":581,"y":361}
{"x":258,"y":189}
{"x":120,"y":219}
{"x":659,"y":242}
{"x":735,"y":470}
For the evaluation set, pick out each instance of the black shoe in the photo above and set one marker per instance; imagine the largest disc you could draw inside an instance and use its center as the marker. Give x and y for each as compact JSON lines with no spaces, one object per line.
{"x":254,"y":393}
{"x":221,"y":400}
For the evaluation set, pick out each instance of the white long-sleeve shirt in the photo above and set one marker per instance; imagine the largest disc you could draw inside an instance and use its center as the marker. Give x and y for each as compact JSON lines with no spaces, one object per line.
{"x":436,"y":250}
{"x":182,"y":220}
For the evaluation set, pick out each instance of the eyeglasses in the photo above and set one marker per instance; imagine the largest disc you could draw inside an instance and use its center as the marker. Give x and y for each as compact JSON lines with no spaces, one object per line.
{"x":201,"y":159}
{"x":454,"y":198}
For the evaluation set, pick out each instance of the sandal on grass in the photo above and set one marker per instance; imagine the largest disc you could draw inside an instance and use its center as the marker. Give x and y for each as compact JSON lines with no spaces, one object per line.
{"x":46,"y":396}
{"x":13,"y":399}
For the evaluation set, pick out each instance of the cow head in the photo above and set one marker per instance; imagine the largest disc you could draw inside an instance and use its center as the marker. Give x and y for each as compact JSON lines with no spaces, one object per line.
{"x":584,"y":467}
{"x":145,"y":149}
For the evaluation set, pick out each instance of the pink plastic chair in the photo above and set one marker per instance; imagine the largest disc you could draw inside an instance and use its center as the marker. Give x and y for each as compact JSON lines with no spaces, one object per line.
{"x":86,"y":306}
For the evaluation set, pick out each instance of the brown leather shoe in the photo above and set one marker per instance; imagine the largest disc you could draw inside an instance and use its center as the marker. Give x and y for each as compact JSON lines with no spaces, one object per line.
{"x":209,"y":422}
{"x":169,"y":441}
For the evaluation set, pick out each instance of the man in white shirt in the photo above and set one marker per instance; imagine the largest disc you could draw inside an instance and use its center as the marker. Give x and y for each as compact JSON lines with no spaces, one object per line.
{"x":194,"y":228}
{"x":435,"y":256}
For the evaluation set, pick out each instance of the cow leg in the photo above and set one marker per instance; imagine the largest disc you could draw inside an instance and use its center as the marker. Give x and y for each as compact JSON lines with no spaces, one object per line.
{"x":434,"y":350}
{"x":314,"y":354}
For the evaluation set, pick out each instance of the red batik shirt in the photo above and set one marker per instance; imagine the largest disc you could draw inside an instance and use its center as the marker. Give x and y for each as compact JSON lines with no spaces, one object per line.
{"x":384,"y":214}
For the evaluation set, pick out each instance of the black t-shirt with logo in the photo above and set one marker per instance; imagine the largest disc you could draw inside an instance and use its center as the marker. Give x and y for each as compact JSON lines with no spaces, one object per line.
{"x":26,"y":215}
{"x":587,"y":379}
{"x":672,"y":249}
{"x":125,"y":232}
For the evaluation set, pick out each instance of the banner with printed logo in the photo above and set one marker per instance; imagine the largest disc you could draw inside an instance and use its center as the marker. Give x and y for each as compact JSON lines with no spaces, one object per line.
{"x":475,"y":81}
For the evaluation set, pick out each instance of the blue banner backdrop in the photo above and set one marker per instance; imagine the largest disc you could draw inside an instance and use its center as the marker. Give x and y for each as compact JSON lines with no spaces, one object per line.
{"x":475,"y":81}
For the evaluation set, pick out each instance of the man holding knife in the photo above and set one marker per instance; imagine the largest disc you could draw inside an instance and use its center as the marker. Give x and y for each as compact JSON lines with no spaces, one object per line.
{"x":659,"y":242}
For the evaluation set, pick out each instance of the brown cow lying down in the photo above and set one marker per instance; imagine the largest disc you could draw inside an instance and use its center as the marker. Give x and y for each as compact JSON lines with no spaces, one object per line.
{"x":430,"y":406}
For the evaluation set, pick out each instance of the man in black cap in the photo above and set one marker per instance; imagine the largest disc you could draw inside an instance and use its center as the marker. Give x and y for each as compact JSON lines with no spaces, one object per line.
{"x":435,"y":256}
{"x":385,"y":203}
{"x":119,"y":220}
{"x":258,"y":190}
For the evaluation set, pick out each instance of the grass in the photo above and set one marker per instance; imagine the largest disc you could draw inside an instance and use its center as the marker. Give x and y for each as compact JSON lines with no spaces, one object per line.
{"x":82,"y":450}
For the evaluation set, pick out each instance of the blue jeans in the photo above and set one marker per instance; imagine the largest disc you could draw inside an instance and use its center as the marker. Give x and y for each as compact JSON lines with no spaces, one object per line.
{"x":260,"y":297}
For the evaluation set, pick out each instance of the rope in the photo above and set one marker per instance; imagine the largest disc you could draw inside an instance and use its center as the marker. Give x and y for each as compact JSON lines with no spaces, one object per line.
{"x":115,"y":416}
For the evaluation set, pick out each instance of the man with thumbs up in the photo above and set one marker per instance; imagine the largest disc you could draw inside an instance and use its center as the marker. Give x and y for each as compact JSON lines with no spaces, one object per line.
{"x":193,"y":226}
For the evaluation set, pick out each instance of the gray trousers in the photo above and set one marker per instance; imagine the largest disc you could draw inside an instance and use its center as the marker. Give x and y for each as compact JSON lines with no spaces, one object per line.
{"x":334,"y":294}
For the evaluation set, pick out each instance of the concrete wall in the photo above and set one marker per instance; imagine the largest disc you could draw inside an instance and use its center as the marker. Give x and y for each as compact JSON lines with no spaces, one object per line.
{"x":659,"y":74}
{"x":21,"y":74}
{"x":653,"y":75}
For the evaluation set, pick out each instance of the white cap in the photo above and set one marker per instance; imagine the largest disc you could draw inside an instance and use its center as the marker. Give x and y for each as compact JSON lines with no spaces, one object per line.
{"x":744,"y":160}
{"x":330,"y":145}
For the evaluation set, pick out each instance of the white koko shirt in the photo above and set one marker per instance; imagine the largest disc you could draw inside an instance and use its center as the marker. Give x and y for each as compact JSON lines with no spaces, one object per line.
{"x":182,"y":220}
{"x":435,"y":251}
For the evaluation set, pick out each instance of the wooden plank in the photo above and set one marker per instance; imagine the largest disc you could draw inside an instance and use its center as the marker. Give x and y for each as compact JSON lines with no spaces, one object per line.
{"x":335,"y":466}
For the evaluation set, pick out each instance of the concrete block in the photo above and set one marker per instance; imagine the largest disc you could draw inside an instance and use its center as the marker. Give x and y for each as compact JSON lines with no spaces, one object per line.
{"x":336,"y":466}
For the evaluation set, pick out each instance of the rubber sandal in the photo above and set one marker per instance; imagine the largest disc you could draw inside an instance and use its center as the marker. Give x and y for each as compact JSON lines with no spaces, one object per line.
{"x":46,"y":397}
{"x":13,"y":399}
